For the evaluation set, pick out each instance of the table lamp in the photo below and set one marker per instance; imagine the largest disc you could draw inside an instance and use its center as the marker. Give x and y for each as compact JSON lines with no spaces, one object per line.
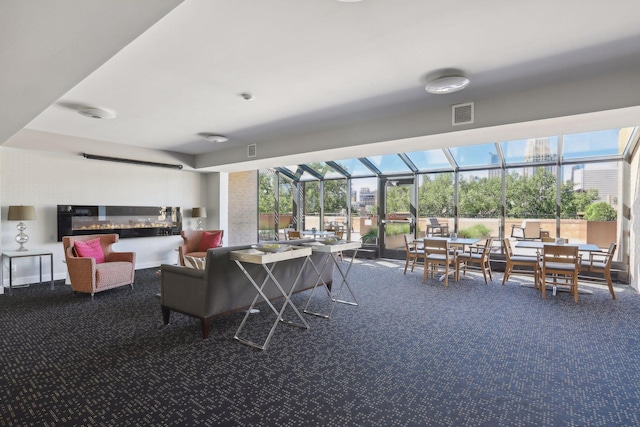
{"x":21,"y":213}
{"x":199,"y":213}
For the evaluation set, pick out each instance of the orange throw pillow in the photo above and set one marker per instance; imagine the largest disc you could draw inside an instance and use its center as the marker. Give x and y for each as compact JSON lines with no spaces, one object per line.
{"x":210,"y":240}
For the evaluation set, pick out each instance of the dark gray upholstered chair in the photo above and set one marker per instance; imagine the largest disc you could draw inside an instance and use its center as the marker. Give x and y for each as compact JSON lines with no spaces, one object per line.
{"x":223,"y":288}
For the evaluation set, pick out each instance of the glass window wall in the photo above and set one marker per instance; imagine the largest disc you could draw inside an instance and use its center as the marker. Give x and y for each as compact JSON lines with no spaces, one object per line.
{"x":530,"y":150}
{"x":311,"y":204}
{"x":267,"y":181}
{"x":364,"y":208}
{"x":436,"y":202}
{"x":391,"y":164}
{"x":589,"y":203}
{"x":335,"y":205}
{"x":429,"y":160}
{"x":592,"y":144}
{"x":550,"y":184}
{"x":531,"y":202}
{"x":479,"y":203}
{"x":475,"y":155}
{"x":285,"y":206}
{"x":354,"y":168}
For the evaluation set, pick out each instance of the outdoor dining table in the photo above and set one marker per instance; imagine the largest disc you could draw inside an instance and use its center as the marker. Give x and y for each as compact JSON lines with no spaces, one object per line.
{"x":456,"y":241}
{"x":582,"y":247}
{"x":461,"y":241}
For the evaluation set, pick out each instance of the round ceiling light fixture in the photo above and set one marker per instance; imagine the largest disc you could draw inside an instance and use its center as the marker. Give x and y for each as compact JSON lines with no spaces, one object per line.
{"x":447,"y":84}
{"x":96,"y":113}
{"x":216,"y":139}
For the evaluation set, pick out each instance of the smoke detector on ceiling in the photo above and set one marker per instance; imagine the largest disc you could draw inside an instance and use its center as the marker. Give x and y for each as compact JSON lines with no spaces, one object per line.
{"x":96,"y":113}
{"x":215,"y":138}
{"x":447,"y":84}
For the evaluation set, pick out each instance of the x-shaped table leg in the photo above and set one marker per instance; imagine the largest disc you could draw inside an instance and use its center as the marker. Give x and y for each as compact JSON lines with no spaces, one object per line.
{"x":287,"y":297}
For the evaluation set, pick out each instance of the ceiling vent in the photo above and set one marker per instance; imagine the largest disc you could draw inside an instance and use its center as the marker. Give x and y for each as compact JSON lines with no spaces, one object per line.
{"x":252,"y":151}
{"x":462,"y":114}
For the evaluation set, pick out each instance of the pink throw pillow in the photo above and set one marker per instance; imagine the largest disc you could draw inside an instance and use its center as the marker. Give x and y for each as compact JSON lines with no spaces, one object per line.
{"x":89,"y":249}
{"x":210,"y":240}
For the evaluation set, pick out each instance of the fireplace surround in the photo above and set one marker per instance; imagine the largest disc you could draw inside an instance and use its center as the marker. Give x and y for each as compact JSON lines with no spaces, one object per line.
{"x":126,"y":221}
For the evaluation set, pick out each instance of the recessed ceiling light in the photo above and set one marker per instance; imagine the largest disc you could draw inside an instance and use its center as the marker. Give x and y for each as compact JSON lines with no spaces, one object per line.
{"x":96,"y":113}
{"x":447,"y":84}
{"x":215,"y":138}
{"x":247,"y":96}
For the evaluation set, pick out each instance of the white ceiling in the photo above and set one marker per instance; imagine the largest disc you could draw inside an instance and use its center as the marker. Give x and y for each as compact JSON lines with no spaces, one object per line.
{"x":312,"y":65}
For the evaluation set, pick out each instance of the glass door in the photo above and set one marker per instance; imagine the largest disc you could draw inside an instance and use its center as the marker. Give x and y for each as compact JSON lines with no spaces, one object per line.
{"x":398,"y":215}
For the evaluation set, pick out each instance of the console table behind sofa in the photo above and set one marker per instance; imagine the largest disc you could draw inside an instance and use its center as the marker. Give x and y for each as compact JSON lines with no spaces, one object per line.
{"x":222,"y":287}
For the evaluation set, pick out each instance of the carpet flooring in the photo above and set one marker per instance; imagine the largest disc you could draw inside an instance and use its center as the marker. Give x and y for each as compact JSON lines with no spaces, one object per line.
{"x":408,"y":355}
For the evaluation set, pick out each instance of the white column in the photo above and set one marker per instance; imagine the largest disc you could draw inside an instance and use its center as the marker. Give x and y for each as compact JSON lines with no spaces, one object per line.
{"x":217,"y":202}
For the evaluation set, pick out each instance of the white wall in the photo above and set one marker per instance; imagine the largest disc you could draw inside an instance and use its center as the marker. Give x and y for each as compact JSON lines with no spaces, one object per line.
{"x":47,"y":179}
{"x":634,"y":228}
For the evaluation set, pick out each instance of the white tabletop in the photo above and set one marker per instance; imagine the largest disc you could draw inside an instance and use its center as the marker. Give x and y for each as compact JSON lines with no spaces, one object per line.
{"x":456,"y":241}
{"x":586,"y":247}
{"x":337,"y":247}
{"x":255,"y":256}
{"x":28,"y":252}
{"x":318,"y":233}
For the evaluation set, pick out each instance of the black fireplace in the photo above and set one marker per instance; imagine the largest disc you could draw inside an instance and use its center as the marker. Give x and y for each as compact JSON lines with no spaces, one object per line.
{"x":126,"y":221}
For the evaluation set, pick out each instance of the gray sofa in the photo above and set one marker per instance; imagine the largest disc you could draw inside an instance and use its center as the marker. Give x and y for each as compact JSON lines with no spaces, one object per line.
{"x":222,"y":287}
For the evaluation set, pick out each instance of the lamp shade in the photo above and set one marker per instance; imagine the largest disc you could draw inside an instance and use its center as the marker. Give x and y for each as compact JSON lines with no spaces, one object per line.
{"x":199,"y":213}
{"x":21,"y":213}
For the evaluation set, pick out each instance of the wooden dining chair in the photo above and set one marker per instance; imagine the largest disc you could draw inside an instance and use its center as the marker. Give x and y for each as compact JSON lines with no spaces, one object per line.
{"x":528,"y":230}
{"x":546,"y":239}
{"x":478,"y":257}
{"x":559,"y":265}
{"x":600,"y":262}
{"x":517,"y":260}
{"x":414,"y":253}
{"x":435,"y":228}
{"x":438,"y":258}
{"x":292,"y":235}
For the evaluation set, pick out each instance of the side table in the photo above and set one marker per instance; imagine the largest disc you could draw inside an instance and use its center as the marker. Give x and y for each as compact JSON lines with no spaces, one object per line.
{"x":24,"y":254}
{"x":332,"y":254}
{"x":268,"y":262}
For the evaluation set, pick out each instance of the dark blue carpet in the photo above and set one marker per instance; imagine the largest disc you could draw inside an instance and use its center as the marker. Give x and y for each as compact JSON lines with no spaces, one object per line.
{"x":408,"y":355}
